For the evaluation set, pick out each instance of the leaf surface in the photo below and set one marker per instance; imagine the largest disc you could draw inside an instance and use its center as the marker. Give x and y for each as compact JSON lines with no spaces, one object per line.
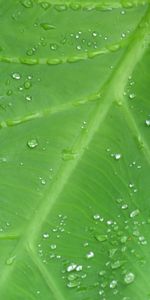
{"x":75,"y":150}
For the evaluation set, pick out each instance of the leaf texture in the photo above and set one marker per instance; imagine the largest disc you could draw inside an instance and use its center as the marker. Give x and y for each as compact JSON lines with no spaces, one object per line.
{"x":75,"y":150}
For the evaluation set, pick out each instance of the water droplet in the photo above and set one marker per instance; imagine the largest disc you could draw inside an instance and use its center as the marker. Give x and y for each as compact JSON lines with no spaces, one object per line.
{"x":33,"y":143}
{"x":11,"y":260}
{"x":96,"y":217}
{"x":72,"y":284}
{"x":113,"y":284}
{"x":134,"y":213}
{"x":72,"y":277}
{"x":60,"y":7}
{"x":53,"y":46}
{"x":28,"y":98}
{"x":16,"y":76}
{"x":102,"y":273}
{"x":47,"y":26}
{"x":71,"y":267}
{"x":45,"y":5}
{"x":132,"y":96}
{"x":116,"y":264}
{"x":27,"y":3}
{"x":27,"y":84}
{"x":30,"y":51}
{"x":53,"y":246}
{"x":90,"y":254}
{"x":124,"y":206}
{"x":117,"y":156}
{"x":147,"y":122}
{"x":9,"y":92}
{"x":101,"y":237}
{"x":129,"y":278}
{"x":46,"y":235}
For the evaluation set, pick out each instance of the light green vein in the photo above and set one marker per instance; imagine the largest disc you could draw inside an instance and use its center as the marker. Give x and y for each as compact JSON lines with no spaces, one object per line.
{"x":89,"y":5}
{"x":50,"y":111}
{"x":65,"y":59}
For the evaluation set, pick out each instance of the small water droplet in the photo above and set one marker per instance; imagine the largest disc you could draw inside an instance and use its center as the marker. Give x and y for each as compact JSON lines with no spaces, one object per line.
{"x":101,"y":237}
{"x":129,"y":278}
{"x":27,"y":3}
{"x":16,"y":76}
{"x":45,"y":5}
{"x":33,"y":143}
{"x":117,"y":156}
{"x":27,"y":84}
{"x":134,"y":213}
{"x":11,"y":260}
{"x":46,"y":235}
{"x":53,"y":246}
{"x":71,"y":267}
{"x":124,"y":206}
{"x":132,"y":96}
{"x":47,"y":26}
{"x":96,"y":217}
{"x":90,"y":254}
{"x":113,"y":284}
{"x":28,"y":98}
{"x":116,"y":264}
{"x":147,"y":122}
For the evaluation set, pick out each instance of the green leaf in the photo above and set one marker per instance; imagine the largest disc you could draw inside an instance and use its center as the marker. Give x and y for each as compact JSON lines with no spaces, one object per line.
{"x":75,"y":150}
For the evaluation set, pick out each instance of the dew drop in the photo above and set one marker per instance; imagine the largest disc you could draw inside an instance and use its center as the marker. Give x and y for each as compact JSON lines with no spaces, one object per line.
{"x":117,"y":264}
{"x":71,"y":267}
{"x":11,"y":260}
{"x":124,"y":206}
{"x":45,"y":5}
{"x":117,"y":156}
{"x":147,"y":122}
{"x":16,"y":76}
{"x":53,"y":46}
{"x":28,"y":98}
{"x":129,"y":278}
{"x":27,"y":84}
{"x":132,"y":96}
{"x":60,"y":7}
{"x":101,"y":237}
{"x":53,"y":246}
{"x":96,"y":217}
{"x":33,"y":143}
{"x":47,"y":26}
{"x":134,"y":213}
{"x":113,"y":284}
{"x":46,"y":235}
{"x":27,"y":3}
{"x":90,"y":255}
